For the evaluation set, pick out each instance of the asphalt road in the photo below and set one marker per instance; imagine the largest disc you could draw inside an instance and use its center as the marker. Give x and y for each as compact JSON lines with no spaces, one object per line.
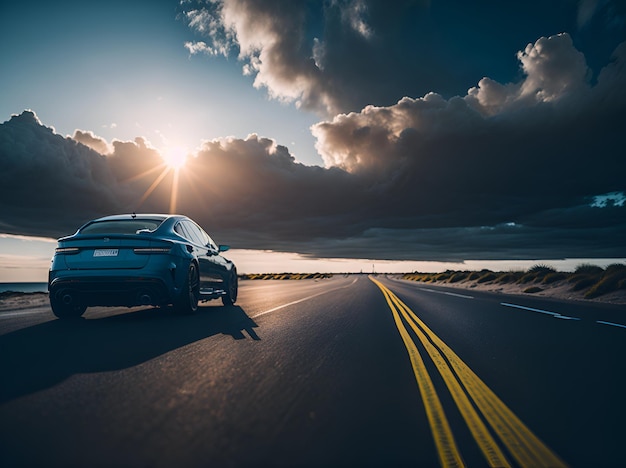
{"x":339,"y":372}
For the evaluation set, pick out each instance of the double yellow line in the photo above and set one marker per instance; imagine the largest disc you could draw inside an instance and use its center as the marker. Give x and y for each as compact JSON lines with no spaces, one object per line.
{"x":471,"y":396}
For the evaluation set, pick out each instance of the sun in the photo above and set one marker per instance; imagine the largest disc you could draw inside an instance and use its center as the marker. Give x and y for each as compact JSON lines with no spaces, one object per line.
{"x":175,"y":157}
{"x":170,"y":170}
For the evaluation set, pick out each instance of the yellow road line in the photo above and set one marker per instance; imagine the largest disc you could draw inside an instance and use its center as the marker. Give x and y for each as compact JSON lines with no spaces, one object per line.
{"x":442,"y":434}
{"x":488,"y":446}
{"x":525,"y":447}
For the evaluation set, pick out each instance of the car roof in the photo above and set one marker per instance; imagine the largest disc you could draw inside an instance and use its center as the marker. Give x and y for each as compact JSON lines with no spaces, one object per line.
{"x":158,"y":216}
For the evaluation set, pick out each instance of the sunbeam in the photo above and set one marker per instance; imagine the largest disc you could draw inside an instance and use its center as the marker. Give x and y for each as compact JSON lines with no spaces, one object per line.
{"x":174,"y":191}
{"x":154,"y":185}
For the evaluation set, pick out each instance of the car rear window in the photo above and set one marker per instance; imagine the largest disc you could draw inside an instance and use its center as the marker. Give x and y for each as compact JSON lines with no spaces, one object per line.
{"x":122,"y":226}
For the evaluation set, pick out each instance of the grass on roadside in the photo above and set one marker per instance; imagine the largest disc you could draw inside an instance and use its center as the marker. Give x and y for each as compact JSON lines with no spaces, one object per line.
{"x":591,"y":280}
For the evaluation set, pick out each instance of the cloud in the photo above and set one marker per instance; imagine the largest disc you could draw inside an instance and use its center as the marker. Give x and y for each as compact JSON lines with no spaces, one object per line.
{"x":342,"y":55}
{"x":255,"y":187}
{"x":492,"y":124}
{"x":586,"y":10}
{"x":503,"y":153}
{"x":354,"y":14}
{"x":46,"y":177}
{"x":50,"y":185}
{"x":506,"y":241}
{"x":270,"y":38}
{"x":88,"y":138}
{"x":553,"y":70}
{"x":326,"y":57}
{"x":507,"y":171}
{"x":199,"y":47}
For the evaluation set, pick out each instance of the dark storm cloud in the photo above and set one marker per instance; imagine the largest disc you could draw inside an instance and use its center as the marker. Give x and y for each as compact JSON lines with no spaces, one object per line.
{"x":50,"y":185}
{"x":46,"y":179}
{"x":533,"y":152}
{"x":501,"y":242}
{"x":342,"y":55}
{"x":507,"y":171}
{"x":256,"y":188}
{"x":497,"y":135}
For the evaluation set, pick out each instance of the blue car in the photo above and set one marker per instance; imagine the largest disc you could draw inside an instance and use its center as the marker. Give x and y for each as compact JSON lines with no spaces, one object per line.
{"x":139,"y":260}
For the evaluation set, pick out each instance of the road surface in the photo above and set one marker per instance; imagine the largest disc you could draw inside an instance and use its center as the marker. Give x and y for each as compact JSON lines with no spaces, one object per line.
{"x":349,"y":371}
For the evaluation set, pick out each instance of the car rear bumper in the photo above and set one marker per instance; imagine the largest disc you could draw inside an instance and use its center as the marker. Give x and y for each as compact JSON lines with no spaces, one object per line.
{"x":105,"y":291}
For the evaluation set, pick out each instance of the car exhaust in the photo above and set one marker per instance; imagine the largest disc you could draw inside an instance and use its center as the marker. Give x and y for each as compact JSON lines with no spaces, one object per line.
{"x":145,"y":299}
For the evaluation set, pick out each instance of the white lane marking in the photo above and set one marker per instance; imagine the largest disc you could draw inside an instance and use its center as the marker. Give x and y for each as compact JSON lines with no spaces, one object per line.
{"x":553,"y":314}
{"x":260,"y":284}
{"x":446,"y":293}
{"x":303,"y":299}
{"x":611,"y":323}
{"x":18,"y":314}
{"x":529,"y":308}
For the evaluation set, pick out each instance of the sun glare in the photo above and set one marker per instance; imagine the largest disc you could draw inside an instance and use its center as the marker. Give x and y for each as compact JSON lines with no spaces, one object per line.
{"x":175,"y":157}
{"x":169,"y":172}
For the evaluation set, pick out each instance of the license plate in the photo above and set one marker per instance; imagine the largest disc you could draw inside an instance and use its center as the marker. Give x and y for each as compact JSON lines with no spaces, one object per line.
{"x":105,"y":253}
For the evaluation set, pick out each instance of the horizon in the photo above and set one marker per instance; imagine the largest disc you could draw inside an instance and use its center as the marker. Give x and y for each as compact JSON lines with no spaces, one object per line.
{"x":33,"y":267}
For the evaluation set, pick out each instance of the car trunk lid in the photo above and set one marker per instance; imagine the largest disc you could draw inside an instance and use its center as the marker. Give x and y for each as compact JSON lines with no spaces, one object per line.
{"x":109,"y":252}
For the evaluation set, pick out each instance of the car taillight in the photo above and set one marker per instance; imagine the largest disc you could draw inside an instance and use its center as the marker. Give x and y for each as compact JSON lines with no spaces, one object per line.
{"x":151,"y":250}
{"x":66,"y":250}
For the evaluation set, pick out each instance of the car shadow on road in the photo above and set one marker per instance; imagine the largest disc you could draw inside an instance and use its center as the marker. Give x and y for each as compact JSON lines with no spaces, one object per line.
{"x":39,"y":357}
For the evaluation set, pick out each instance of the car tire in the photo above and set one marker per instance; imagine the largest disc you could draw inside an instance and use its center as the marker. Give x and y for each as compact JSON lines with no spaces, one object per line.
{"x":66,"y":311}
{"x":187,"y":302}
{"x":232,"y":287}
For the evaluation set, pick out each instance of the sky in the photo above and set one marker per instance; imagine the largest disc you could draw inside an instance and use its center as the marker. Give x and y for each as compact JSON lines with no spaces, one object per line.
{"x":320,"y":135}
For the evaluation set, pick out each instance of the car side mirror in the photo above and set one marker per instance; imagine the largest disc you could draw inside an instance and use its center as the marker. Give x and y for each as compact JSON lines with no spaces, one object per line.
{"x":223,"y":248}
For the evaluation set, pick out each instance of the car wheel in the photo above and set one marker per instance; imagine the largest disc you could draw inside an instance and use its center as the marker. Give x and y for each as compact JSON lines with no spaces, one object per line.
{"x":232,"y":286}
{"x":187,"y":303}
{"x":66,"y":311}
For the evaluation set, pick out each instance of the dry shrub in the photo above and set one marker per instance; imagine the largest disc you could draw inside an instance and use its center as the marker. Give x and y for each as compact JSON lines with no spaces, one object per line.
{"x":553,"y":277}
{"x":458,"y":276}
{"x":541,"y":269}
{"x":588,"y":269}
{"x":582,"y":282}
{"x":508,"y":277}
{"x":613,"y":277}
{"x":486,"y":277}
